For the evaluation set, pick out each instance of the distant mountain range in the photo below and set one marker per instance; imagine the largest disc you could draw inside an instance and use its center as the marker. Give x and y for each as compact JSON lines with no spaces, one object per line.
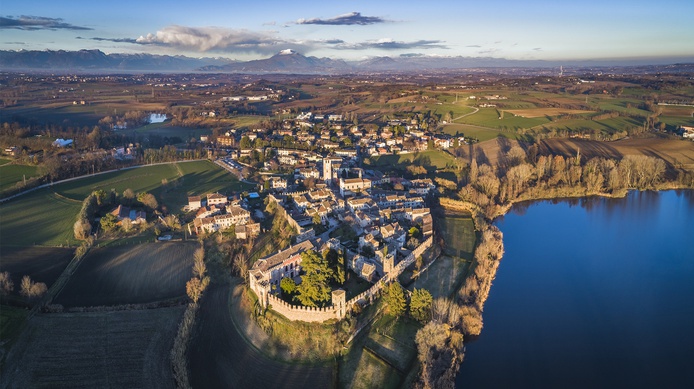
{"x":98,"y":61}
{"x":291,"y":62}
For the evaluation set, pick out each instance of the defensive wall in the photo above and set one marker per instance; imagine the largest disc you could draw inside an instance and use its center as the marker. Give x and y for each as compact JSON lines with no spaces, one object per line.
{"x":310,"y":314}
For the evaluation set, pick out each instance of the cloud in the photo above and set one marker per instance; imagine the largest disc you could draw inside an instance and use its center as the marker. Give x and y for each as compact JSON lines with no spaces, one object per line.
{"x":477,"y":46}
{"x":349,"y":19}
{"x":489,"y":51}
{"x":34,"y":23}
{"x":411,"y":55}
{"x":116,"y":40}
{"x":15,"y":43}
{"x":220,"y":39}
{"x":390,"y":44}
{"x":538,"y":49}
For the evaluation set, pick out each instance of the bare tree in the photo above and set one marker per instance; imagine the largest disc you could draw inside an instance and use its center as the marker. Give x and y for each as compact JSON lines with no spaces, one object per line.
{"x":32,"y":289}
{"x":199,"y":268}
{"x":6,"y":284}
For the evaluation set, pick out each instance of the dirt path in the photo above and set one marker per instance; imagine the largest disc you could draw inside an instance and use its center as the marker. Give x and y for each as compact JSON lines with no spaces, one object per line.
{"x":467,"y":114}
{"x":219,"y":357}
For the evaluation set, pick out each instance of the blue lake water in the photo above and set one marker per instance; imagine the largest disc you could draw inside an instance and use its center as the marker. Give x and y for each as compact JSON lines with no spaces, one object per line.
{"x":591,"y":293}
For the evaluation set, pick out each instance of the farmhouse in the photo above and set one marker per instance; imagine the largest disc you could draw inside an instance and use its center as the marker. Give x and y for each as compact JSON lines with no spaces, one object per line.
{"x":123,"y":212}
{"x":194,"y":202}
{"x":238,"y":215}
{"x":216,"y":198}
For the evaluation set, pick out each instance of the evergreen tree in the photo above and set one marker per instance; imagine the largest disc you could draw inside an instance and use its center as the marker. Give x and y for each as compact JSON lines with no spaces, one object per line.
{"x":420,"y":305}
{"x":395,"y":298}
{"x":314,"y":290}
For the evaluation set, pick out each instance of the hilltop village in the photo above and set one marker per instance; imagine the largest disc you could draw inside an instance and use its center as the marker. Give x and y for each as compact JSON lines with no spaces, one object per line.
{"x":379,"y":223}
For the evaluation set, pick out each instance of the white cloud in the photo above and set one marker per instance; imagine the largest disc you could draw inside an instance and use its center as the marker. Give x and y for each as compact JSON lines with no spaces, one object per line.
{"x":220,"y":39}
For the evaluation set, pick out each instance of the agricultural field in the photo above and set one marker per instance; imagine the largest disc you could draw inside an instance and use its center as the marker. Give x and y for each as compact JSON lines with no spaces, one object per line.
{"x":166,"y":129}
{"x":42,"y":264}
{"x":542,"y":112}
{"x":131,"y":274}
{"x":11,"y":322}
{"x":476,"y":132}
{"x":236,"y":362}
{"x":124,"y":349}
{"x":65,"y":113}
{"x":41,"y":218}
{"x":183,"y":179}
{"x":676,"y":152}
{"x":430,"y":158}
{"x":50,"y":213}
{"x":494,"y":118}
{"x":11,"y":174}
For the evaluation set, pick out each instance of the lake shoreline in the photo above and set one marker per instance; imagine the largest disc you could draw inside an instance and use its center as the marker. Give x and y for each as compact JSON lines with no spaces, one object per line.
{"x":482,"y":222}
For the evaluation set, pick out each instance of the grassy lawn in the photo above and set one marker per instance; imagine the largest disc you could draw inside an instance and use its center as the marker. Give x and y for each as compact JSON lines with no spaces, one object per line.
{"x":381,"y":357}
{"x":12,"y":174}
{"x":372,"y":372}
{"x":459,"y":235}
{"x":442,"y":278}
{"x":355,"y":285}
{"x":4,"y":161}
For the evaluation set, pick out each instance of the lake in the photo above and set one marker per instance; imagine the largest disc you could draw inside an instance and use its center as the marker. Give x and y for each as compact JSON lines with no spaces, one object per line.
{"x":157,"y":117}
{"x":591,"y":293}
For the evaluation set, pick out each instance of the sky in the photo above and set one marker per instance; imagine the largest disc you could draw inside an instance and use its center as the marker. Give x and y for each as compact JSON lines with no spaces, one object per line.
{"x":355,"y":29}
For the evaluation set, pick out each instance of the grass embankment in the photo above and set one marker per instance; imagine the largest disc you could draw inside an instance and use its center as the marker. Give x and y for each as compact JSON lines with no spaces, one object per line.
{"x":285,"y":340}
{"x":382,"y":356}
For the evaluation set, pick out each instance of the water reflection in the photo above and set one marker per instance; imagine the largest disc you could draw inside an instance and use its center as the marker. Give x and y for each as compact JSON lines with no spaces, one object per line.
{"x":592,"y":292}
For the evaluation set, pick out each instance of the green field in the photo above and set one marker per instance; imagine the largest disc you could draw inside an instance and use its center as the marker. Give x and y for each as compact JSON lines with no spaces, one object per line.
{"x":480,"y":133}
{"x":12,"y":174}
{"x":489,"y":117}
{"x":430,"y":158}
{"x":165,"y":129}
{"x":41,"y":217}
{"x":459,"y":235}
{"x":381,"y":358}
{"x":442,"y":278}
{"x":46,"y":216}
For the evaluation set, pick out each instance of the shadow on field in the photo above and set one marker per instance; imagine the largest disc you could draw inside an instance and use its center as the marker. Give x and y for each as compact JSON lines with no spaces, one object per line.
{"x":219,"y":357}
{"x":130,"y":274}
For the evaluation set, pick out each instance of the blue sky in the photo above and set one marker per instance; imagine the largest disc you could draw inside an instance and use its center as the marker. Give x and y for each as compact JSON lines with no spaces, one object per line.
{"x":354,"y":29}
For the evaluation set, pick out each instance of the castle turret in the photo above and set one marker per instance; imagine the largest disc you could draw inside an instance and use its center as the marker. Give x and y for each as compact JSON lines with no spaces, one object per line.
{"x":340,"y":302}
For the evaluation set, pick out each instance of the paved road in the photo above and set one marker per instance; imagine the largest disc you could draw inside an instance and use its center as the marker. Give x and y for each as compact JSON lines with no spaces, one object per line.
{"x":219,"y":357}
